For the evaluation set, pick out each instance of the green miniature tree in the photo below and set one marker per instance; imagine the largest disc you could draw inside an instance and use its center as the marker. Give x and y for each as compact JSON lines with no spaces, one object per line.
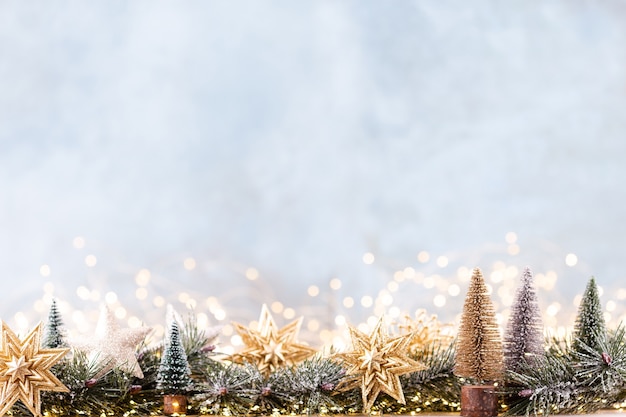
{"x":173,"y":376}
{"x":590,"y":327}
{"x":54,"y":332}
{"x":523,"y":338}
{"x":479,"y":346}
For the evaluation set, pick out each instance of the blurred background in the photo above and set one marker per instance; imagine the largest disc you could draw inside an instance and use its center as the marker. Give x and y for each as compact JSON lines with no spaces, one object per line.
{"x":336,"y":161}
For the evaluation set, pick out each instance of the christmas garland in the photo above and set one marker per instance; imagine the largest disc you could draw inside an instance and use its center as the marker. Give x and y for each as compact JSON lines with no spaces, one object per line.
{"x":417,"y":371}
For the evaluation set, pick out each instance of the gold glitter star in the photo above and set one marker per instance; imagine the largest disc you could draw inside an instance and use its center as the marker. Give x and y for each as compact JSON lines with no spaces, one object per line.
{"x":377,"y":363}
{"x":113,"y":347}
{"x":426,"y":330}
{"x":271,"y":348}
{"x":25,"y":370}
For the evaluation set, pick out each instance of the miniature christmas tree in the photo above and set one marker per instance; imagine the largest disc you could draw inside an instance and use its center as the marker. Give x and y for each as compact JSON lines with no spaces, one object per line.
{"x":54,"y":335}
{"x":479,"y":347}
{"x":590,"y":328}
{"x":173,"y":375}
{"x":523,"y":339}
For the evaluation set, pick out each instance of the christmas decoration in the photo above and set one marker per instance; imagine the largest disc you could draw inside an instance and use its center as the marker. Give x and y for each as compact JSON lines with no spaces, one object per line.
{"x":54,"y":332}
{"x":523,"y":338}
{"x":376,"y":363}
{"x":25,"y":370}
{"x":271,"y":348}
{"x":479,"y":348}
{"x":426,"y":329}
{"x":590,"y":328}
{"x":113,"y":347}
{"x":173,"y":375}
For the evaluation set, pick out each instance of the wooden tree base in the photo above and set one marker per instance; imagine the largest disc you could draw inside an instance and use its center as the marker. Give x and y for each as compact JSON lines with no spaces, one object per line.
{"x":174,"y":404}
{"x":479,"y":401}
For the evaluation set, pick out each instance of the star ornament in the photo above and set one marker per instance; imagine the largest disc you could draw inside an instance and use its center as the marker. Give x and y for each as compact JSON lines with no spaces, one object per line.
{"x":113,"y":347}
{"x":25,"y":370}
{"x":269,"y":347}
{"x":376,"y":362}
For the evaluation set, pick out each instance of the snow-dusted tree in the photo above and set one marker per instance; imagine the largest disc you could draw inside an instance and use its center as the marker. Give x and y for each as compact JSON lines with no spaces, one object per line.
{"x":173,"y":375}
{"x":523,"y":338}
{"x":479,"y":345}
{"x":590,"y":327}
{"x":54,"y":332}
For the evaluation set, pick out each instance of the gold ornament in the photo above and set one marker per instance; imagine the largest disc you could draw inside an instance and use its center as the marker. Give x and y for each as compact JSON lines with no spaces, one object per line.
{"x":377,"y":362}
{"x":426,"y":330}
{"x":25,"y":370}
{"x":271,"y":348}
{"x":113,"y":347}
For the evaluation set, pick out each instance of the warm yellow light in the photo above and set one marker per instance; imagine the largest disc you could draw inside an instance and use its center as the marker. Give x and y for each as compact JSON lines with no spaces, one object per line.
{"x":571,"y":259}
{"x":393,"y":286}
{"x":78,"y":242}
{"x":90,"y":260}
{"x":348,"y":302}
{"x":277,"y":307}
{"x":313,"y":325}
{"x":313,"y":290}
{"x":611,"y":305}
{"x":454,"y":290}
{"x":340,"y":320}
{"x":120,"y":312}
{"x":189,"y":264}
{"x":83,"y":293}
{"x":439,"y":300}
{"x":142,"y":278}
{"x":289,"y":313}
{"x":158,"y":301}
{"x":442,"y":261}
{"x":110,"y":297}
{"x":335,"y":283}
{"x":141,"y":293}
{"x":252,"y":274}
{"x":183,"y":297}
{"x":367,"y":301}
{"x":44,"y":270}
{"x":423,"y":256}
{"x":510,"y":237}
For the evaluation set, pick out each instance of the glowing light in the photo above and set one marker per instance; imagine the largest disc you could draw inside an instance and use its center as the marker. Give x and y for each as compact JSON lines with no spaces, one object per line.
{"x":141,"y":293}
{"x":252,"y":274}
{"x":134,"y":322}
{"x":158,"y":301}
{"x":191,"y":304}
{"x":393,"y":286}
{"x":429,"y":281}
{"x":340,"y":320}
{"x":120,"y":312}
{"x":219,"y":314}
{"x":236,"y":340}
{"x":44,"y":270}
{"x":510,"y":238}
{"x":423,"y":256}
{"x":386,"y":299}
{"x":289,"y":313}
{"x":83,"y":293}
{"x":571,"y":259}
{"x":408,"y":273}
{"x":553,"y":309}
{"x":313,"y":325}
{"x":621,"y":294}
{"x":513,"y":250}
{"x":21,"y":320}
{"x":91,"y":261}
{"x":277,"y":307}
{"x":367,"y":301}
{"x":227,"y":330}
{"x":110,"y":297}
{"x":442,"y":261}
{"x":335,"y":283}
{"x":454,"y":290}
{"x":189,"y":264}
{"x":348,"y":302}
{"x":202,"y":320}
{"x":611,"y":305}
{"x":368,"y":258}
{"x":439,"y":300}
{"x":326,"y":335}
{"x":78,"y":242}
{"x":40,"y":306}
{"x":183,"y":297}
{"x":142,"y":278}
{"x":577,"y":300}
{"x":313,"y":291}
{"x":497,"y":276}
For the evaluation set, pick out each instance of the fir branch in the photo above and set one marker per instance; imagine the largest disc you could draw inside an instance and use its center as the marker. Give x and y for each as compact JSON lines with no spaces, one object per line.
{"x":227,"y":389}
